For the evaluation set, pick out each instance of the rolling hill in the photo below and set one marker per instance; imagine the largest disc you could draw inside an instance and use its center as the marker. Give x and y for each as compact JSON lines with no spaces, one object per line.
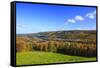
{"x":72,"y":34}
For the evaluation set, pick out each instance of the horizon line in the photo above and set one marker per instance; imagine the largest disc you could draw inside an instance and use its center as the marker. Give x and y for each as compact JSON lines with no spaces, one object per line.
{"x":55,"y":31}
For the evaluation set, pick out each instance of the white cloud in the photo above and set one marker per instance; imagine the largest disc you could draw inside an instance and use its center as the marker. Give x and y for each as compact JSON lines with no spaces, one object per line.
{"x":79,"y":18}
{"x":21,"y":26}
{"x":91,"y":15}
{"x":71,"y":21}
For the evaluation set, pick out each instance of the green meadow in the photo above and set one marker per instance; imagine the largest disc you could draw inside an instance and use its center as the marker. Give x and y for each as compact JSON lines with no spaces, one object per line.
{"x":39,"y":57}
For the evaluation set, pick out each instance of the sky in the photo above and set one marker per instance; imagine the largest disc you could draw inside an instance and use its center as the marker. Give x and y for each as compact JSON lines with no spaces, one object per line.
{"x":33,"y":18}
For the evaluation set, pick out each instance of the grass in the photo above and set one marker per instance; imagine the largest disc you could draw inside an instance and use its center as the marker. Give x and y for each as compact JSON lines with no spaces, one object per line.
{"x":37,"y":57}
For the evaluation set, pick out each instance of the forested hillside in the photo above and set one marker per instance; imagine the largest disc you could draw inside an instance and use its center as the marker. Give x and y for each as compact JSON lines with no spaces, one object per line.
{"x":75,"y":42}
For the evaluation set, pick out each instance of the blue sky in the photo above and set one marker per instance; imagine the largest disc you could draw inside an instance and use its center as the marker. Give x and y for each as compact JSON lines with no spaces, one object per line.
{"x":33,"y":18}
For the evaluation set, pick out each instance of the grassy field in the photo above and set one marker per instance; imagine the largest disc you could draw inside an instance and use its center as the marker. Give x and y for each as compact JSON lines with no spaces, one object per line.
{"x":37,"y":57}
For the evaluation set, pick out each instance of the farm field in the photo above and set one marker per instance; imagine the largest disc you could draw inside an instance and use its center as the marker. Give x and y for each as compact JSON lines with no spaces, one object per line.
{"x":39,"y":57}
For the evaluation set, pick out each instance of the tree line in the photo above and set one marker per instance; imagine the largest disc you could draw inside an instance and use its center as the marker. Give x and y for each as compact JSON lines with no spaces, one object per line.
{"x":69,"y":48}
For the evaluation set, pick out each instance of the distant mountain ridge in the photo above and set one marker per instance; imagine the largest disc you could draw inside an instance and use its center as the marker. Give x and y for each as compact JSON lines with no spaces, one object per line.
{"x":71,"y":34}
